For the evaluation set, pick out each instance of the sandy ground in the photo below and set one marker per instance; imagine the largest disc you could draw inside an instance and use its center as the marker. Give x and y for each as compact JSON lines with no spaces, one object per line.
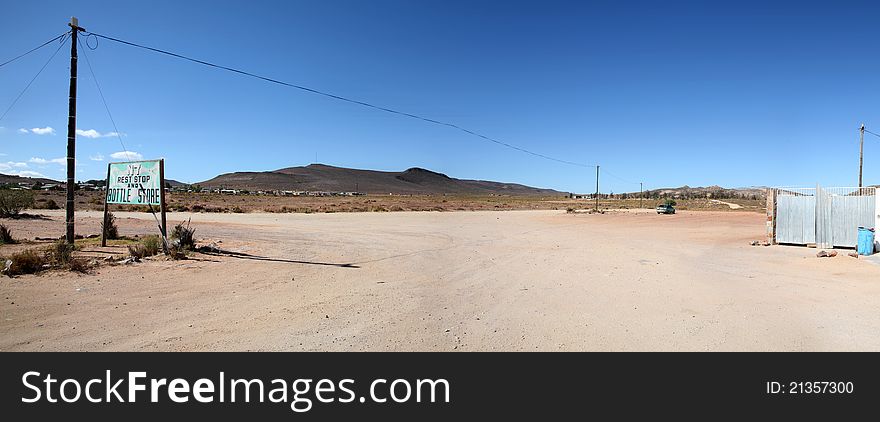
{"x":510,"y":281}
{"x":729,"y":204}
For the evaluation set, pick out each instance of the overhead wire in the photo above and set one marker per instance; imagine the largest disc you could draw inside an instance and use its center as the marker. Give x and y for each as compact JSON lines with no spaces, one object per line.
{"x":33,"y":49}
{"x":872,"y":133}
{"x":608,"y":173}
{"x":20,"y":94}
{"x":341,"y":98}
{"x":104,"y":100}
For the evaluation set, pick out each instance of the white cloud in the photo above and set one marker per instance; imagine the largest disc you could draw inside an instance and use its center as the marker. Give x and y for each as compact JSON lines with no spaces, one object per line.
{"x":43,"y":130}
{"x":22,"y":130}
{"x":127,"y":155}
{"x":98,"y":157}
{"x":94,"y":134}
{"x":37,"y":160}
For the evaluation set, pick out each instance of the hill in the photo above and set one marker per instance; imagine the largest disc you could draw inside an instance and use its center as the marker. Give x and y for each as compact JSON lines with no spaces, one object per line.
{"x":687,"y":192}
{"x":320,"y":177}
{"x":14,"y":180}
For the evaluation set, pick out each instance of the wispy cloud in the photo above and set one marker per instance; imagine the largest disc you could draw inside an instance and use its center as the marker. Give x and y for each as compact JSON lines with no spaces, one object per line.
{"x":14,"y":168}
{"x":24,"y":173}
{"x":37,"y":160}
{"x":94,"y":134}
{"x":127,"y":155}
{"x":98,"y":157}
{"x":48,"y":130}
{"x":11,"y":165}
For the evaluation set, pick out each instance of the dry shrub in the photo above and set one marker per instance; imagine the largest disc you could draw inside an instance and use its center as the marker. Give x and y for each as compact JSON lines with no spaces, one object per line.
{"x":184,"y":236}
{"x":46,"y":204}
{"x":79,"y":265}
{"x":137,"y":251}
{"x":5,"y":235}
{"x":25,"y":262}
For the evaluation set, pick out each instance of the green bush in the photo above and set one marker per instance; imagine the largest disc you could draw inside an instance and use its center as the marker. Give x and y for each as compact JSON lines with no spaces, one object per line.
{"x":61,"y":252}
{"x":148,"y":246}
{"x":13,"y":201}
{"x":110,"y":230}
{"x":152,"y":244}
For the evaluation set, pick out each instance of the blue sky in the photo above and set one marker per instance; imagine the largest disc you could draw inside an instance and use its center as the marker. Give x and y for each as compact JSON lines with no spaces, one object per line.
{"x":668,"y":93}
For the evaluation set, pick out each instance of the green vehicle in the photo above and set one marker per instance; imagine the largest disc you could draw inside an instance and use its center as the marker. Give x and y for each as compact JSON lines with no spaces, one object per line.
{"x":665,"y":209}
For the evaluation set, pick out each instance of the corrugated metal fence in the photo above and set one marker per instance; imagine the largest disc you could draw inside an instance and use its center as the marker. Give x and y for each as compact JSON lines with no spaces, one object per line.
{"x":828,"y":217}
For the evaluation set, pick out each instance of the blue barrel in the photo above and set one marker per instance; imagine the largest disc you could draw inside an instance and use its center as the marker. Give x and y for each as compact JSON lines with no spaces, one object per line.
{"x":866,"y":241}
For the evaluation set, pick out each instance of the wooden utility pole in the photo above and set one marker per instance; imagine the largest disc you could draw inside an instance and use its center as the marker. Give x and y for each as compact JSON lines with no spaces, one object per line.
{"x":71,"y":133}
{"x":641,"y":195}
{"x":861,"y":151}
{"x":597,"y":188}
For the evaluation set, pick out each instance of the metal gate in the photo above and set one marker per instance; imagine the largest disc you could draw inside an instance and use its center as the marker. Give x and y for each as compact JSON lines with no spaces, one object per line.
{"x":796,"y":215}
{"x":828,"y":217}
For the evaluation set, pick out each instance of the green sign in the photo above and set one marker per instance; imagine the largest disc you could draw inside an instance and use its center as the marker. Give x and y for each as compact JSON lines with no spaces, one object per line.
{"x":134,"y":183}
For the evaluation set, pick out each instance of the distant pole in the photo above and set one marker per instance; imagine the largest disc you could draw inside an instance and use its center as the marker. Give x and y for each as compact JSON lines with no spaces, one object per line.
{"x":597,"y":188}
{"x":71,"y":132}
{"x":861,"y":151}
{"x":641,"y":195}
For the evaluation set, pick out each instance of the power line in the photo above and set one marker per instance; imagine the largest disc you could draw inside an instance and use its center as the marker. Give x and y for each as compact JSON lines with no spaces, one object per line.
{"x":61,"y":44}
{"x":872,"y":133}
{"x":341,"y":98}
{"x":103,"y":100}
{"x":32,"y":50}
{"x":608,"y":173}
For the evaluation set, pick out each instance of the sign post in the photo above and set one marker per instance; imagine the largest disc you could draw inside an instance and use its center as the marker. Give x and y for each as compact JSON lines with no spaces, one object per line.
{"x":164,"y":227}
{"x":104,"y":226}
{"x":136,"y":183}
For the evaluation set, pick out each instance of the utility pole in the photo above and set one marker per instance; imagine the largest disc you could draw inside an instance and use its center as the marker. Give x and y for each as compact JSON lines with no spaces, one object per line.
{"x":641,"y":195}
{"x":597,"y":188}
{"x":861,"y":151}
{"x":71,"y":132}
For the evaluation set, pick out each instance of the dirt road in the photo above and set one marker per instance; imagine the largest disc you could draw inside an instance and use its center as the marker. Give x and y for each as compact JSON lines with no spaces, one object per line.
{"x":513,"y":280}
